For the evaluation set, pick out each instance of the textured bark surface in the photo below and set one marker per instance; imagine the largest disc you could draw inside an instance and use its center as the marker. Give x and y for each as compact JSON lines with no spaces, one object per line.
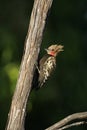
{"x":74,"y":117}
{"x":16,"y":115}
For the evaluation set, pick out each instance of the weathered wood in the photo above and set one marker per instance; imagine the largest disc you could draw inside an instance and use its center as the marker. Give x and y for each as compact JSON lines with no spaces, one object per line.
{"x":76,"y":116}
{"x":17,"y":112}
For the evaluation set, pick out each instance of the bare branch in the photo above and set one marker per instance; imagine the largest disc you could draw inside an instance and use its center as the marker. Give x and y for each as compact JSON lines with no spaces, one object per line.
{"x":71,"y":125}
{"x":33,"y":41}
{"x":79,"y":116}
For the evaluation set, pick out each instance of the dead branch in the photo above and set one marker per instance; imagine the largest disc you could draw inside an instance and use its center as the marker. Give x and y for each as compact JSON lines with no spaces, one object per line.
{"x":17,"y":113}
{"x":72,"y":124}
{"x":63,"y":122}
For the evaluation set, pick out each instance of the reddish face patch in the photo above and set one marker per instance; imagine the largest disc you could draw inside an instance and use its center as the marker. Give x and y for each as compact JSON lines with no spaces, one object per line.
{"x":52,"y":53}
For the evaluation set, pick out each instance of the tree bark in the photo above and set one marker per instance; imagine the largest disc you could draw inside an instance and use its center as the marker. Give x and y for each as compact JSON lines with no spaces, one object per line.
{"x":17,"y":112}
{"x":76,"y":116}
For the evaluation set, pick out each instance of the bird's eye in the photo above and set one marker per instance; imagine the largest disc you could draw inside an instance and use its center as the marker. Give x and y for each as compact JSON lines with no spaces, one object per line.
{"x":52,"y":49}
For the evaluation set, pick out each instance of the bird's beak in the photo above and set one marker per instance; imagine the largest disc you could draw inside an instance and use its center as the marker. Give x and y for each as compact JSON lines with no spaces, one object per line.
{"x":46,"y":49}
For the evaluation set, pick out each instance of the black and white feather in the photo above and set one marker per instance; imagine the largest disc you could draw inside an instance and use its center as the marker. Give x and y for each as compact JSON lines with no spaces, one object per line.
{"x":46,"y":67}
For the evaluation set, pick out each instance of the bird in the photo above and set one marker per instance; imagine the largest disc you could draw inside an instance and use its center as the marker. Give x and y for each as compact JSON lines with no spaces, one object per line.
{"x":47,"y":64}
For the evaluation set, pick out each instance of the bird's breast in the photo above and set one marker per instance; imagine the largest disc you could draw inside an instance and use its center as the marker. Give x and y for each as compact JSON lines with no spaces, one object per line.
{"x":49,"y":66}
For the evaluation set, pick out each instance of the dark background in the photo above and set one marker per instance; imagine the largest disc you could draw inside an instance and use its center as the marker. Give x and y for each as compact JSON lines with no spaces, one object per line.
{"x":66,"y":91}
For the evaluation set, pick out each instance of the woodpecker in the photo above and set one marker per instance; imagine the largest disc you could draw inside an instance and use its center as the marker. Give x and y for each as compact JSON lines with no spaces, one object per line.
{"x":48,"y":63}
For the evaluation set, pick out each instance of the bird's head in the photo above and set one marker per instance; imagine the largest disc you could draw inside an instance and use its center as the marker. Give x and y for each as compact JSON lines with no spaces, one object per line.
{"x":53,"y":50}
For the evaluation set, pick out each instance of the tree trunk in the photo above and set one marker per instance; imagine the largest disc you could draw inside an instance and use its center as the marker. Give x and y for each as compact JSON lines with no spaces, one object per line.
{"x":17,"y":112}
